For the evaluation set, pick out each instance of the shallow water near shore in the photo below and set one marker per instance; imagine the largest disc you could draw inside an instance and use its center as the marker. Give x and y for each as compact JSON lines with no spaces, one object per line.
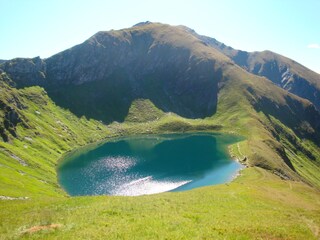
{"x":149,"y":164}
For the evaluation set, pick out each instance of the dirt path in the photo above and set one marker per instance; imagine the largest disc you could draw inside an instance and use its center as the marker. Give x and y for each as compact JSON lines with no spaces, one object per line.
{"x":238,"y":146}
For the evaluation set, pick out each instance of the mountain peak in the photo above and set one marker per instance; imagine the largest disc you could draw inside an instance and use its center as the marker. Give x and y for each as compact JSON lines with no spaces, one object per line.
{"x":142,"y":24}
{"x":187,"y":29}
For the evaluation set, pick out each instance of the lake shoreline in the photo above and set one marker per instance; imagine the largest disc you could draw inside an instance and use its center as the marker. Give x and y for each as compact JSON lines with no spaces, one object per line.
{"x":220,"y":141}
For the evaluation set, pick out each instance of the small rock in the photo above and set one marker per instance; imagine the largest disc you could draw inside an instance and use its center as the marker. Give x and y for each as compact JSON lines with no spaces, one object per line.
{"x":22,"y":162}
{"x":13,"y":198}
{"x":28,"y":139}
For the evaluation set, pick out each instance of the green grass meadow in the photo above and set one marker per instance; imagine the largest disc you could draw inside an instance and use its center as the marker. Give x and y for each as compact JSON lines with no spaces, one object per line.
{"x":257,"y":205}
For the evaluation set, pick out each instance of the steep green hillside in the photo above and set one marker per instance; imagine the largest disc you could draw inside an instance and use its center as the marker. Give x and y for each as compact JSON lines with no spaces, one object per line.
{"x":34,"y":135}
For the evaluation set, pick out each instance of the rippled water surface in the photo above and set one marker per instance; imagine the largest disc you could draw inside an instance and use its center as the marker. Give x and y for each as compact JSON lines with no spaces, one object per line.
{"x":147,"y":165}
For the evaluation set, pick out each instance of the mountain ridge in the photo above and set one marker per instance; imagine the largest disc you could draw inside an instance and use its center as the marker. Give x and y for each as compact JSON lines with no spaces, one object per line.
{"x":284,"y":72}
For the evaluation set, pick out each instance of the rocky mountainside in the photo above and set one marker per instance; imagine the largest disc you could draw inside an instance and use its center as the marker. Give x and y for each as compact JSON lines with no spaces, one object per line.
{"x":168,"y":65}
{"x":111,"y":69}
{"x":284,"y":72}
{"x":190,"y":75}
{"x":177,"y":69}
{"x":26,"y":71}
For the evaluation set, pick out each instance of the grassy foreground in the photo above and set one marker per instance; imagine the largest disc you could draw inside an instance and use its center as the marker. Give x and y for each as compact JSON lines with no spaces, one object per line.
{"x":257,"y":205}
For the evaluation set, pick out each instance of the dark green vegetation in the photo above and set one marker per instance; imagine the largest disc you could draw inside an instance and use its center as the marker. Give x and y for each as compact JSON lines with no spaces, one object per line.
{"x":154,"y":78}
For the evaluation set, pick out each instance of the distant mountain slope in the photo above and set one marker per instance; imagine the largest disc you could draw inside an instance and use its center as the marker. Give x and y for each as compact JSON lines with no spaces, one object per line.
{"x":281,"y":70}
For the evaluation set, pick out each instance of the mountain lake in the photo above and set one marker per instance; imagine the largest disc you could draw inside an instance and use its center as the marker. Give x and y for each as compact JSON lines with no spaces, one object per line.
{"x":141,"y":165}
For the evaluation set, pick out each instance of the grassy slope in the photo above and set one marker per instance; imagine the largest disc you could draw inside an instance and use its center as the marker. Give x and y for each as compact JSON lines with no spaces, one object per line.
{"x":304,"y":154}
{"x":257,"y":205}
{"x":27,"y":163}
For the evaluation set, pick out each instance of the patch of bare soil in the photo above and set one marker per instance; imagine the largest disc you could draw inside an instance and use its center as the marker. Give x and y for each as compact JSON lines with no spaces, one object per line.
{"x":40,"y":228}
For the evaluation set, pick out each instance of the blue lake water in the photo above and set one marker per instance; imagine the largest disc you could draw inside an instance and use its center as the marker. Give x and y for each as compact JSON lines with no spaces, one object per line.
{"x":149,"y":164}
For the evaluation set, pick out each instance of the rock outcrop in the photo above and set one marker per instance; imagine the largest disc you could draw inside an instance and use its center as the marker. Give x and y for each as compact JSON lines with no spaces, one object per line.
{"x":26,"y":71}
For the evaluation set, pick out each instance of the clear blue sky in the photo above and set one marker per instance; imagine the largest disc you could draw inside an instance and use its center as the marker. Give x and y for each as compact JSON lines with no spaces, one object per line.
{"x":42,"y":28}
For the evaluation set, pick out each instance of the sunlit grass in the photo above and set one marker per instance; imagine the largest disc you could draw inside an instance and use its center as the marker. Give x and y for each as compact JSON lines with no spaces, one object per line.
{"x":256,"y":205}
